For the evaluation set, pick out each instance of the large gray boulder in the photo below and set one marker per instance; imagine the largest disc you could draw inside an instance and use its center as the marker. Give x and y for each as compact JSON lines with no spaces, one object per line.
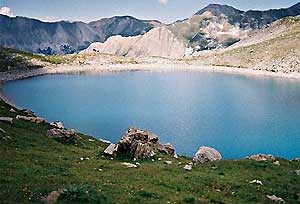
{"x":139,"y":144}
{"x":206,"y":154}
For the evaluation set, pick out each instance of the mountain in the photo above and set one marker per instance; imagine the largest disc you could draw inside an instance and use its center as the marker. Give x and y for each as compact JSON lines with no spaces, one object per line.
{"x":219,"y":26}
{"x":157,"y":42}
{"x":273,"y":48}
{"x":122,"y":25}
{"x":65,"y":37}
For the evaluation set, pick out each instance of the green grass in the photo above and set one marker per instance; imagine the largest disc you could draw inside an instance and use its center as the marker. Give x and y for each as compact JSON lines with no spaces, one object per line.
{"x":32,"y":166}
{"x":12,"y":59}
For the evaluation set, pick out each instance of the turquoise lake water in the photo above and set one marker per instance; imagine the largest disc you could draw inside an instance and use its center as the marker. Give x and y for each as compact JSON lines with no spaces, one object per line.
{"x":237,"y":115}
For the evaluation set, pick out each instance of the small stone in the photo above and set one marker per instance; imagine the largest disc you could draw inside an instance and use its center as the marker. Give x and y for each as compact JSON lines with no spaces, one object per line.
{"x":159,"y":159}
{"x":179,"y":163}
{"x":12,"y":110}
{"x":168,"y":162}
{"x":176,"y":156}
{"x":91,"y":140}
{"x":100,"y":169}
{"x":276,"y":163}
{"x":129,"y":165}
{"x":81,"y":158}
{"x":257,"y":182}
{"x":138,"y":164}
{"x":297,"y":172}
{"x":275,"y":199}
{"x":188,"y":167}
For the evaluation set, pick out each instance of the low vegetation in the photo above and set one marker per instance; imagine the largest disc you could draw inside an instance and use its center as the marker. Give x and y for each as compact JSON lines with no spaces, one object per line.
{"x":33,"y":165}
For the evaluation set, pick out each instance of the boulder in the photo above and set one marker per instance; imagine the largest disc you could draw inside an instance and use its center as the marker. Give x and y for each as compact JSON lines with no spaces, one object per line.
{"x":206,"y":154}
{"x":32,"y":119}
{"x":57,"y":124}
{"x":262,"y":157}
{"x":65,"y":135}
{"x":12,"y":110}
{"x":6,"y":119}
{"x":139,"y":144}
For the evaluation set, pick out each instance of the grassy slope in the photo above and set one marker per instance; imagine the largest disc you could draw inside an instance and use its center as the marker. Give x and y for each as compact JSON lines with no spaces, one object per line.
{"x":32,"y":165}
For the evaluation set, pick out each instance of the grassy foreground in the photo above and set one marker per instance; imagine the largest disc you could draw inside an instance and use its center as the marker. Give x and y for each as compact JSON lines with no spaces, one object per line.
{"x":32,"y":165}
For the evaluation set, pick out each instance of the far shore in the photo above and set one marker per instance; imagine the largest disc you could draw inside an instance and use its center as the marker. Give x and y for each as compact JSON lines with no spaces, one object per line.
{"x":85,"y":69}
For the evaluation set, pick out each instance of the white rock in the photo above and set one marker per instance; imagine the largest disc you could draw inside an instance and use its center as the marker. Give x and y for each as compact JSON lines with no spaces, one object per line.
{"x":188,"y":167}
{"x":257,"y":182}
{"x":276,"y":163}
{"x":129,"y":165}
{"x":111,"y":149}
{"x":275,"y":199}
{"x":168,"y":162}
{"x":206,"y":154}
{"x":6,"y":119}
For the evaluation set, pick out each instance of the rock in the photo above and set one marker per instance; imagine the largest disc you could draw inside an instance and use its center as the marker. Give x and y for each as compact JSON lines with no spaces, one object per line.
{"x":6,"y":119}
{"x":12,"y":110}
{"x":262,"y":157}
{"x":66,"y":135}
{"x":188,"y":167}
{"x":139,"y":144}
{"x":129,"y":165}
{"x":110,"y":150}
{"x":28,"y":112}
{"x":52,"y":197}
{"x":275,"y":199}
{"x":57,"y":124}
{"x":170,"y":148}
{"x":276,"y":163}
{"x":206,"y":154}
{"x":297,"y":172}
{"x":257,"y":182}
{"x":32,"y":119}
{"x":296,"y":159}
{"x":168,"y":162}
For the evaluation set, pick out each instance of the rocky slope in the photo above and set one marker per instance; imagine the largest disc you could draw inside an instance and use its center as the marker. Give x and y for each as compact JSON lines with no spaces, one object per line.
{"x":157,"y":42}
{"x":219,"y":26}
{"x":274,"y":48}
{"x":65,"y":37}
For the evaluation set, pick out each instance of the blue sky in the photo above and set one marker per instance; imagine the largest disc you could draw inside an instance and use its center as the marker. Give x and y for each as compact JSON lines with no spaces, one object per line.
{"x":88,"y":10}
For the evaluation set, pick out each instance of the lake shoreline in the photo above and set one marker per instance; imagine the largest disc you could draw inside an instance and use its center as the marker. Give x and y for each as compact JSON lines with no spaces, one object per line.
{"x":101,"y":69}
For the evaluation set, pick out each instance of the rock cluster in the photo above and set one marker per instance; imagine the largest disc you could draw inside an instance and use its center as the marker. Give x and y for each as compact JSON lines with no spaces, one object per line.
{"x":206,"y":154}
{"x":262,"y":157}
{"x":32,"y":119}
{"x":139,"y":144}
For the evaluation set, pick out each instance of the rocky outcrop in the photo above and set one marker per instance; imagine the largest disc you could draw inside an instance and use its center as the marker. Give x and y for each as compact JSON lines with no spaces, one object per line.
{"x":69,"y":136}
{"x":36,"y":120}
{"x":139,"y":144}
{"x":157,"y":42}
{"x":262,"y":157}
{"x":57,"y":124}
{"x":206,"y":154}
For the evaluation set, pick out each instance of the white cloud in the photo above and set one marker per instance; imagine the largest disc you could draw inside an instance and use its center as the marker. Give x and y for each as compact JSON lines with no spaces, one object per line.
{"x":163,"y":2}
{"x":6,"y":11}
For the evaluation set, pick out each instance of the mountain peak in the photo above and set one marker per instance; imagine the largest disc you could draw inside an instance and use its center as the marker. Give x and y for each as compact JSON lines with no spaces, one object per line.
{"x":218,"y":9}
